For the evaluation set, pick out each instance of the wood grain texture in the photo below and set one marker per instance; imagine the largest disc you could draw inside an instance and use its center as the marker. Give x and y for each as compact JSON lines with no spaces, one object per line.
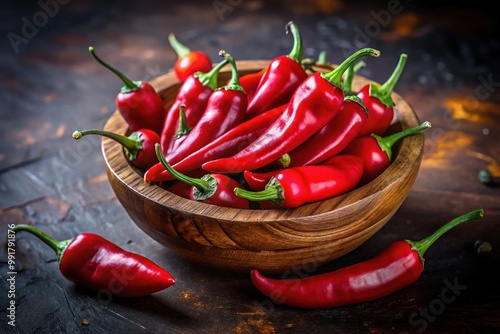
{"x":270,"y":240}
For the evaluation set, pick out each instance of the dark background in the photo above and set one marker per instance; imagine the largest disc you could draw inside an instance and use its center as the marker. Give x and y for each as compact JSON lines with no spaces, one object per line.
{"x":51,"y":86}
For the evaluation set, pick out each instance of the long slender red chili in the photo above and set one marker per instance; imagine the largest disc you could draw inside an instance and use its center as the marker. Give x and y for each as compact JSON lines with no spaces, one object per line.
{"x":376,"y":151}
{"x":188,"y":61}
{"x":91,"y":261}
{"x":139,"y":146}
{"x":282,"y":77}
{"x":396,"y":267}
{"x":225,"y":109}
{"x":193,"y":94}
{"x":315,"y":102}
{"x":292,"y":187}
{"x":226,"y":145}
{"x":379,"y":102}
{"x":216,"y":189}
{"x":138,"y":102}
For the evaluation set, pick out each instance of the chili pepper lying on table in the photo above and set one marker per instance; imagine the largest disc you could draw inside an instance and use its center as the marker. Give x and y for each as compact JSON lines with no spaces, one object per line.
{"x":376,"y":151}
{"x":224,"y":146}
{"x":216,"y":189}
{"x":379,"y":102}
{"x":138,"y":102}
{"x":281,"y":78}
{"x":94,"y":262}
{"x":139,"y":146}
{"x":315,"y":102}
{"x":193,"y":94}
{"x":188,"y":61}
{"x":225,"y":109}
{"x":332,"y":138}
{"x":292,"y":187}
{"x":398,"y":266}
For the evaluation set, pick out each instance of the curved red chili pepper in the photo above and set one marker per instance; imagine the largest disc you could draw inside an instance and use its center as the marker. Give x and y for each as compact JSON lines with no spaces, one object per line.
{"x":193,"y":94}
{"x":216,"y":189}
{"x":250,"y":82}
{"x":138,"y":102}
{"x":315,"y":102}
{"x":282,"y":77}
{"x":379,"y":102}
{"x":139,"y":146}
{"x":398,"y":266}
{"x":292,"y":187}
{"x":225,"y":109}
{"x":376,"y":151}
{"x":224,"y":146}
{"x":258,"y":181}
{"x":96,"y":263}
{"x":188,"y":61}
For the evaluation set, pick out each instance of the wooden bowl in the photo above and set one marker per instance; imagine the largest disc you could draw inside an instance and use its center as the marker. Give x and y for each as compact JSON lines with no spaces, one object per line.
{"x":275,"y":240}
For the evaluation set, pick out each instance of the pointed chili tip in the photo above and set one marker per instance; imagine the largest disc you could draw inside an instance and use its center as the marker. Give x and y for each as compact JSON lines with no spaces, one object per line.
{"x":77,"y":135}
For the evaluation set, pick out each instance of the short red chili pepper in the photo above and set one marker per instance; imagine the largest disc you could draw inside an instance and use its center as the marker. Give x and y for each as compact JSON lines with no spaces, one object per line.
{"x":225,"y":109}
{"x":139,"y":146}
{"x":282,"y":77}
{"x":250,"y":82}
{"x":224,"y":146}
{"x":188,"y":61}
{"x":216,"y":189}
{"x":193,"y":94}
{"x":91,"y":261}
{"x":138,"y":102}
{"x":257,"y":181}
{"x":315,"y":102}
{"x":398,"y":266}
{"x":376,"y":151}
{"x":379,"y":102}
{"x":292,"y":187}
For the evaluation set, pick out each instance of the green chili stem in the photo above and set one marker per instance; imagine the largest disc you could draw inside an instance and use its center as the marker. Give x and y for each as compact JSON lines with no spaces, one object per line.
{"x":210,"y":78}
{"x":234,"y":82}
{"x":58,"y":246}
{"x":383,"y":93}
{"x":200,"y":184}
{"x":131,"y":144}
{"x":386,"y":143}
{"x":322,"y":58}
{"x":129,"y":84}
{"x":335,"y":76}
{"x":180,"y":49}
{"x":424,"y":244}
{"x":296,"y":52}
{"x":184,"y":127}
{"x":349,"y":77}
{"x":268,"y":194}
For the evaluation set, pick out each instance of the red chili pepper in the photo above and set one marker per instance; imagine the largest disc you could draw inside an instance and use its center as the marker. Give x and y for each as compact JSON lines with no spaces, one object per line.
{"x":139,"y":146}
{"x":379,"y":102}
{"x":225,"y":109}
{"x":226,"y":145}
{"x":398,"y":266}
{"x":216,"y":189}
{"x":138,"y":102}
{"x":292,"y":187}
{"x":188,"y":62}
{"x":376,"y":151}
{"x":281,"y":78}
{"x":96,"y":263}
{"x":193,"y":94}
{"x":258,"y":181}
{"x":250,"y":82}
{"x":315,"y":102}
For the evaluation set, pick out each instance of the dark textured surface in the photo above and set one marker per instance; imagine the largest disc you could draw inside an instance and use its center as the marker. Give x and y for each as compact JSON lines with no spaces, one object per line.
{"x":50,"y":86}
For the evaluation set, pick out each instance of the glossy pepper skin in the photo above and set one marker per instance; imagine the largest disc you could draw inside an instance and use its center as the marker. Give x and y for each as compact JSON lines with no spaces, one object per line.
{"x":188,"y":61}
{"x":315,"y":102}
{"x":138,"y":102}
{"x":225,"y":109}
{"x":96,"y":263}
{"x":216,"y":189}
{"x":396,"y":267}
{"x":379,"y":103}
{"x":250,"y":82}
{"x":376,"y":151}
{"x":193,"y":94}
{"x":224,"y":146}
{"x":292,"y":187}
{"x":139,"y":146}
{"x":258,"y":181}
{"x":280,"y":80}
